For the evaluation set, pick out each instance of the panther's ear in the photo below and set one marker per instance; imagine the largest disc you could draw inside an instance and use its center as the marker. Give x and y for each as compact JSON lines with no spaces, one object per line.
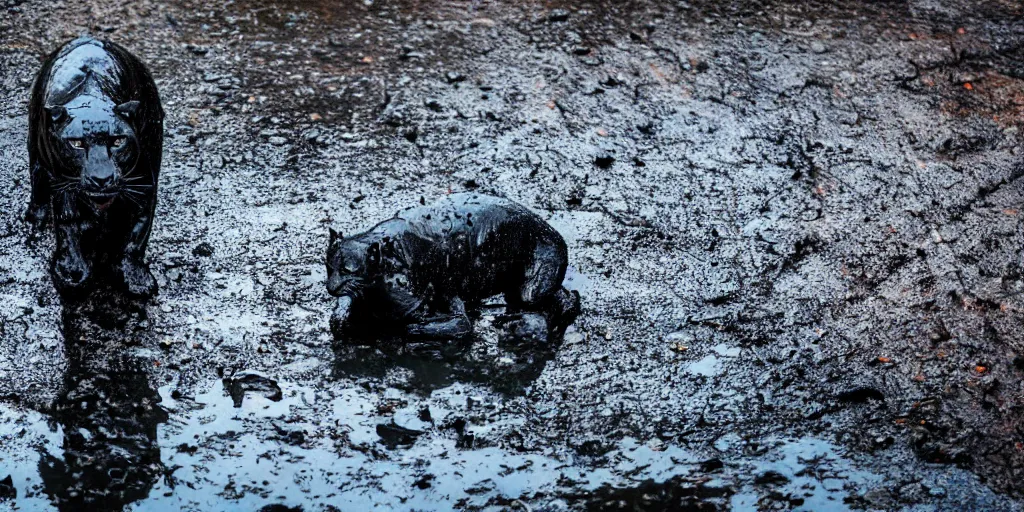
{"x":57,"y":113}
{"x":127,"y":109}
{"x":335,"y":236}
{"x":373,"y":256}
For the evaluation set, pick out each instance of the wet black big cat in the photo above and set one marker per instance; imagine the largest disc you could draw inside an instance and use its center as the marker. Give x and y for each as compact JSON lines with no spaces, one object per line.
{"x":95,"y":143}
{"x":416,"y":274}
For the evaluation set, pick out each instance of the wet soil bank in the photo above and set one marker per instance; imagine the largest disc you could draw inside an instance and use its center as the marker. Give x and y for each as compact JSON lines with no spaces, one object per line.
{"x":796,"y":227}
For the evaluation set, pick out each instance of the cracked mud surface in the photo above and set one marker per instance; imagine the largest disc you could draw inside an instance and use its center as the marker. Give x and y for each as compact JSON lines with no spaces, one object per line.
{"x":796,"y":228}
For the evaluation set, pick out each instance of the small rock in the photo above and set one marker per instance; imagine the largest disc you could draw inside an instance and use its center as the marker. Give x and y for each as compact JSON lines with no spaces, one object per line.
{"x":572,"y":338}
{"x":289,"y":434}
{"x":393,"y":436}
{"x":277,"y":507}
{"x":818,"y":47}
{"x":277,"y":141}
{"x":454,"y":77}
{"x":423,"y":482}
{"x":250,"y":380}
{"x":197,"y":50}
{"x":604,"y":161}
{"x":657,"y":445}
{"x":558,"y":15}
{"x":771,"y":477}
{"x":204,"y":250}
{"x":7,"y":489}
{"x":433,"y":105}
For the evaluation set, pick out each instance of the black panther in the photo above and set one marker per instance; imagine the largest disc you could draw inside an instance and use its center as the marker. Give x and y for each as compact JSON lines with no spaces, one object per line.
{"x":416,"y":274}
{"x":95,"y":144}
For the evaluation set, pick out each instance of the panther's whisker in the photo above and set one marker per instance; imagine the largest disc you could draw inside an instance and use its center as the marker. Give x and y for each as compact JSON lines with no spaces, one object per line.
{"x":132,"y":199}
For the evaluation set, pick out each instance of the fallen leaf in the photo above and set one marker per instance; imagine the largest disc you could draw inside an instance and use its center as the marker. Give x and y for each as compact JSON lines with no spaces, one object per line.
{"x":968,"y":86}
{"x":883,"y":359}
{"x":315,"y":117}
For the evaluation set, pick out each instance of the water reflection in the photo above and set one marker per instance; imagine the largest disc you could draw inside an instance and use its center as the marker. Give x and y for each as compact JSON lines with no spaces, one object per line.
{"x":108,"y":411}
{"x":490,"y":357}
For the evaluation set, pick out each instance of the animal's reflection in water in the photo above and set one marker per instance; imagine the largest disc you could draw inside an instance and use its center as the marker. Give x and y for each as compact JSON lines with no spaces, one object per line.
{"x":506,"y":365}
{"x":109,"y":413}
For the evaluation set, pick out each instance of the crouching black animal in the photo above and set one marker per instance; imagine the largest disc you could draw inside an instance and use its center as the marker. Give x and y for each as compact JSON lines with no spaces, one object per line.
{"x":416,"y":274}
{"x":95,"y":144}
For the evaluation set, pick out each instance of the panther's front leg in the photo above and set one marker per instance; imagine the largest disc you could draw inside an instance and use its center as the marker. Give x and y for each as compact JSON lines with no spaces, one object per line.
{"x":138,"y":279}
{"x":454,"y":325}
{"x":70,"y":270}
{"x":340,"y":317}
{"x":38,"y":212}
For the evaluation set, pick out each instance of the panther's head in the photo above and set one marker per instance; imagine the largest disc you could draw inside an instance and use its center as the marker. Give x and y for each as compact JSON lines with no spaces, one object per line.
{"x":98,"y":149}
{"x":351,"y":265}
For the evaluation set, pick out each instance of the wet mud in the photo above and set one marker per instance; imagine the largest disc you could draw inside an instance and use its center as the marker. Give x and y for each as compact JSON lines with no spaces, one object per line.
{"x":796,"y":228}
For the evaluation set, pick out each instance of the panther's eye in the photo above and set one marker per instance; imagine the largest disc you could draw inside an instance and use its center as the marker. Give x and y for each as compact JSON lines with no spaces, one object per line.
{"x":76,"y":143}
{"x":118,"y":142}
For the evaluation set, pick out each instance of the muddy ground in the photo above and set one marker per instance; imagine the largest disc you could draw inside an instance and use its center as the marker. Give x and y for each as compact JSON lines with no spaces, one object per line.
{"x":796,"y":228}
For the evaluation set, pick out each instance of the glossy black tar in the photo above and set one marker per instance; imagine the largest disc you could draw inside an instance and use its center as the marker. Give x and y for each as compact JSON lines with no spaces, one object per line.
{"x":95,"y":144}
{"x":425,"y":266}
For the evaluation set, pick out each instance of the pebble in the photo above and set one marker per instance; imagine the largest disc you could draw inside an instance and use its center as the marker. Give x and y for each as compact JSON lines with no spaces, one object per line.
{"x":657,"y":445}
{"x":250,"y":380}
